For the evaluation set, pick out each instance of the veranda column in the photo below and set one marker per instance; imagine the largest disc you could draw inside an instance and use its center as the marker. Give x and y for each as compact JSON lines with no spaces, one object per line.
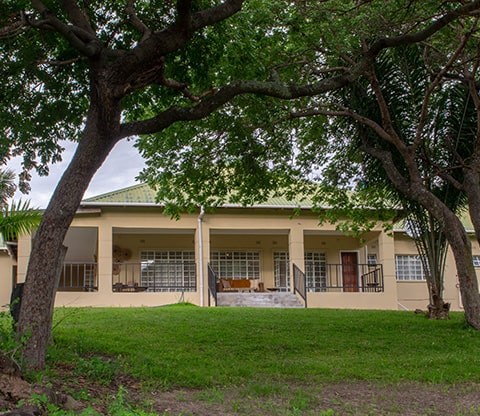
{"x":202,"y":257}
{"x":296,"y":250}
{"x":105,"y":242}
{"x":386,"y":257}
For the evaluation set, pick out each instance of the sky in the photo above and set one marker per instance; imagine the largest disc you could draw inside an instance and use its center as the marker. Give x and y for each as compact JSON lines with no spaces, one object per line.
{"x":118,"y":171}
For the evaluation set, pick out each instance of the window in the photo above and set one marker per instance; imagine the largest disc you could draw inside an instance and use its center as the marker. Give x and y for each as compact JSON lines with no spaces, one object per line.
{"x":316,"y":271}
{"x":236,"y":264}
{"x":409,"y":268}
{"x":168,"y":271}
{"x":476,"y":261}
{"x":372,"y":259}
{"x":281,"y":270}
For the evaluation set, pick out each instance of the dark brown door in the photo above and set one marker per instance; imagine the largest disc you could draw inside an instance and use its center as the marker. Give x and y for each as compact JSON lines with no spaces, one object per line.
{"x":350,"y":272}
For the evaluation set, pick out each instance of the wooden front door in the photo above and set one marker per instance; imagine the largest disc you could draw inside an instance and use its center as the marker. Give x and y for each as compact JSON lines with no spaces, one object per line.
{"x":350,"y":271}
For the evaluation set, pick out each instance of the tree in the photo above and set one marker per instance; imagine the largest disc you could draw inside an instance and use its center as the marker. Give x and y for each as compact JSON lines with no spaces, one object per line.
{"x":279,"y":151}
{"x":405,"y":77}
{"x":428,"y":146}
{"x":101,"y":72}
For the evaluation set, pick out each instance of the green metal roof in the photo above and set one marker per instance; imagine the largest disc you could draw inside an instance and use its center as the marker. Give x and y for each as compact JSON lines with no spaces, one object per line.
{"x":142,"y":194}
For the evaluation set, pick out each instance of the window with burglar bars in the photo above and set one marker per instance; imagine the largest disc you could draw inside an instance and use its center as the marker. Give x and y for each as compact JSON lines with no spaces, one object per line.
{"x":316,"y":271}
{"x":476,"y":261}
{"x":236,"y":264}
{"x":168,"y":271}
{"x":281,"y":270}
{"x":409,"y":268}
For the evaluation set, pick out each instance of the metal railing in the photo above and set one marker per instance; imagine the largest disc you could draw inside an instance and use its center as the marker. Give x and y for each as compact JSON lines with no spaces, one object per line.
{"x":154,"y":276}
{"x":181,"y":277}
{"x":79,"y":277}
{"x":372,"y":280}
{"x":212,"y":286}
{"x":299,"y":284}
{"x":346,"y":278}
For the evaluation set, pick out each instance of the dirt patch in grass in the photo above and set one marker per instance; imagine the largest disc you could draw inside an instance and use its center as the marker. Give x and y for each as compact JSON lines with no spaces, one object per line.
{"x":359,"y":398}
{"x":352,"y":398}
{"x":268,"y":399}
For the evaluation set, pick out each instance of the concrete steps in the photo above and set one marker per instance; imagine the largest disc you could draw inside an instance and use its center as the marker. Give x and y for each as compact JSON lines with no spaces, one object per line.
{"x":259,"y":300}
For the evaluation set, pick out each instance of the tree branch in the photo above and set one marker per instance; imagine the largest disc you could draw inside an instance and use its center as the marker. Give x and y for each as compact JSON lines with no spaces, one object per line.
{"x":277,"y":89}
{"x":78,"y":17}
{"x":385,"y":158}
{"x":439,"y":76}
{"x":384,"y":111}
{"x":223,"y":96}
{"x":411,"y":38}
{"x":136,"y":22}
{"x":15,"y":27}
{"x":82,"y":40}
{"x":215,"y":14}
{"x":184,"y":15}
{"x":61,"y":63}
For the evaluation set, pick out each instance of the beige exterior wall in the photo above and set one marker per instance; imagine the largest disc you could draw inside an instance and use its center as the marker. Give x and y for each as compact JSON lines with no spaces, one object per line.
{"x":136,"y":230}
{"x":414,"y":295}
{"x":265,"y":231}
{"x":6,"y":278}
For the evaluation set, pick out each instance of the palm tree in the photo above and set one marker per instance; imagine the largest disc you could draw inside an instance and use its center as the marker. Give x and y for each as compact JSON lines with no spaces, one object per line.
{"x":16,"y":218}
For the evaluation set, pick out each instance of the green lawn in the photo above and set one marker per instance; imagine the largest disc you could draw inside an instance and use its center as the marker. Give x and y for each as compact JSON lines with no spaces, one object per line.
{"x":186,"y":346}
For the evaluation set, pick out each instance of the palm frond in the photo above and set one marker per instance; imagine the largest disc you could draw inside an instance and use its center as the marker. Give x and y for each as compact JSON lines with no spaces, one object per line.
{"x":7,"y":186}
{"x":18,"y":219}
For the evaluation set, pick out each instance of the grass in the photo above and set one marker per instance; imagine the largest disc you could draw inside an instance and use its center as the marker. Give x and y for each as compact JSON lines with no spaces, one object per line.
{"x":262,"y":349}
{"x":282,"y":362}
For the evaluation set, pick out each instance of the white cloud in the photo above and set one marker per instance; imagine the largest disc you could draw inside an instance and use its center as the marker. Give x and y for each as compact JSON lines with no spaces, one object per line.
{"x":118,"y":171}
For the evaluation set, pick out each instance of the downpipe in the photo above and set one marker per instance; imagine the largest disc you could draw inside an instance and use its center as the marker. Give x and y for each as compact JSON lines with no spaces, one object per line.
{"x":200,"y":253}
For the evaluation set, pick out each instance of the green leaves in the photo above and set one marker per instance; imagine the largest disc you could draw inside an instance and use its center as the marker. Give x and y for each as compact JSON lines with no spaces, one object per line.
{"x":18,"y":219}
{"x":225,"y":158}
{"x":247,"y":149}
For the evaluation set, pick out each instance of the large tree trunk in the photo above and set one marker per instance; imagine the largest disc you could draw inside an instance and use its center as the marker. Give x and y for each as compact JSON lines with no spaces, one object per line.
{"x":47,"y":255}
{"x":468,"y":282}
{"x":462,"y":251}
{"x":454,"y":230}
{"x":438,"y":308}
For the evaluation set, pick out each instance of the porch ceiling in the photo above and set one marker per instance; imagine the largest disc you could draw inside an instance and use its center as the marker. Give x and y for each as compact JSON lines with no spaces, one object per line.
{"x":257,"y":231}
{"x":124,"y":230}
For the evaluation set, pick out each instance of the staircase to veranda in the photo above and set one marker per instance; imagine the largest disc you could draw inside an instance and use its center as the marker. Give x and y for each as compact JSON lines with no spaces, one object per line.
{"x":259,"y":299}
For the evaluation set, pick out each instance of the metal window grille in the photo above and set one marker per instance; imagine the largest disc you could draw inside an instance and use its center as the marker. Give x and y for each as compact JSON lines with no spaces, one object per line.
{"x":316,"y":271}
{"x":168,"y":271}
{"x":409,"y":268}
{"x":281,"y":270}
{"x":236,"y":264}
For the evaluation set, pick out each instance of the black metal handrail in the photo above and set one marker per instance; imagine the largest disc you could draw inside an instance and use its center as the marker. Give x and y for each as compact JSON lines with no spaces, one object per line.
{"x":212,"y":286}
{"x":299,"y":284}
{"x":372,"y":280}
